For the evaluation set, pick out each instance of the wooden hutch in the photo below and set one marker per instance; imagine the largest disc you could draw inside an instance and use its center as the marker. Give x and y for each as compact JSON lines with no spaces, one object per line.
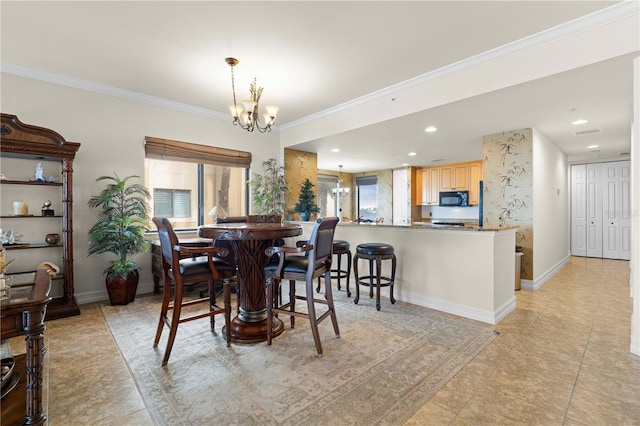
{"x":24,"y":141}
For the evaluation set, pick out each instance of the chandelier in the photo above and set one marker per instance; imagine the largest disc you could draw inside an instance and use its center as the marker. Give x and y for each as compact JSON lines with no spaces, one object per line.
{"x":340,"y":190}
{"x":249,"y":119}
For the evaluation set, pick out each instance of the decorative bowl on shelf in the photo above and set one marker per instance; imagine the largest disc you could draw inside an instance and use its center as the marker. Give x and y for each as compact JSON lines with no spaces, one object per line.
{"x":52,"y":239}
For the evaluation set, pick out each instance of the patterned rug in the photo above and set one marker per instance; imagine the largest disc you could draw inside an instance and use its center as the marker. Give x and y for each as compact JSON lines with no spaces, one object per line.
{"x":385,"y":366}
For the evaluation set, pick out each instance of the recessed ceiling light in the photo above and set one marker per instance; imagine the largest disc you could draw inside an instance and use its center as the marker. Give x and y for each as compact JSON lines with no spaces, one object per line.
{"x":405,"y":164}
{"x":579,"y":121}
{"x":411,"y":154}
{"x":593,"y":146}
{"x":335,"y":150}
{"x":431,"y":129}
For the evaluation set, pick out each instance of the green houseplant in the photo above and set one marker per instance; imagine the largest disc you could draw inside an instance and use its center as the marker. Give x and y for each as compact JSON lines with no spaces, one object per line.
{"x":119,"y":229}
{"x":306,"y":201}
{"x":269,"y":189}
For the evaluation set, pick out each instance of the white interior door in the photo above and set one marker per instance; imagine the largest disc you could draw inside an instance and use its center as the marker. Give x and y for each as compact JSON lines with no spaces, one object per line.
{"x":616,"y":214}
{"x":625,"y":209}
{"x":601,"y":210}
{"x":400,"y":197}
{"x":594,"y":211}
{"x":578,"y":210}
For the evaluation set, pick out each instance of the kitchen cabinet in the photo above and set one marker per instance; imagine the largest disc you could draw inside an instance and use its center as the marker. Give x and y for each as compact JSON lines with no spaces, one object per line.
{"x":464,"y":176}
{"x":428,"y":185}
{"x":23,"y":146}
{"x":454,"y":177}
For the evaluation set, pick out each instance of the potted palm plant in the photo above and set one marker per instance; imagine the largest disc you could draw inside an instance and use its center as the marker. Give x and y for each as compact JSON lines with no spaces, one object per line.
{"x":119,"y":229}
{"x":306,"y":204}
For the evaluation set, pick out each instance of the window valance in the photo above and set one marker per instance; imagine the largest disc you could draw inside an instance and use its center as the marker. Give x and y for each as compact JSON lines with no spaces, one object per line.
{"x":367,"y":180}
{"x":165,"y":149}
{"x":327,"y":178}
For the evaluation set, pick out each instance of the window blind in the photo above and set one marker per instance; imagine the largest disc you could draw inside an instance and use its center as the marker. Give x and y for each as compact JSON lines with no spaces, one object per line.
{"x":165,"y":149}
{"x":366,"y":180}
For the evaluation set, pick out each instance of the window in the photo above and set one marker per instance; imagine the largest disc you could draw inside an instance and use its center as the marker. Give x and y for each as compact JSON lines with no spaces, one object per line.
{"x":171,"y":202}
{"x":187,"y":180}
{"x":327,"y":201}
{"x":367,"y":198}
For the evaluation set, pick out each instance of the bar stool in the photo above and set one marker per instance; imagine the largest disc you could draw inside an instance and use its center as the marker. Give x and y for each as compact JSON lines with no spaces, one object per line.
{"x":375,"y":252}
{"x":340,"y":248}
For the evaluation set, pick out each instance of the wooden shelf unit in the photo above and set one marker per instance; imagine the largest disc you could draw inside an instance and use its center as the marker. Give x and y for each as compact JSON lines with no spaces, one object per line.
{"x":25,"y":141}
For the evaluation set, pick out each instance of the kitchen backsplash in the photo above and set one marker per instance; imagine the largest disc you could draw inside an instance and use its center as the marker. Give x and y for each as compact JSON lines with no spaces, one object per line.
{"x":467,"y":213}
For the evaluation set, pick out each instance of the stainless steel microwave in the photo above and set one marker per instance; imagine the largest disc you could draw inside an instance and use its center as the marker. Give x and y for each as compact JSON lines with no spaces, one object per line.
{"x":454,"y":199}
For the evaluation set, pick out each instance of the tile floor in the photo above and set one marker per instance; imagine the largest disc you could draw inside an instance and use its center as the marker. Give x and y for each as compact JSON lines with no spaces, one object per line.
{"x":562,"y":357}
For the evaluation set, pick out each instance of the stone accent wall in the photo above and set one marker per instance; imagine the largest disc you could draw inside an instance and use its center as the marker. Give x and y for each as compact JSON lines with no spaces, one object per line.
{"x":508,"y":188}
{"x":298,"y":166}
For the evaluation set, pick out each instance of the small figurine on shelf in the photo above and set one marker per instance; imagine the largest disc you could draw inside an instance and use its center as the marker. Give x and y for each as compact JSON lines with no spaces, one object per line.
{"x":39,"y":173}
{"x":46,"y":211}
{"x":11,"y":237}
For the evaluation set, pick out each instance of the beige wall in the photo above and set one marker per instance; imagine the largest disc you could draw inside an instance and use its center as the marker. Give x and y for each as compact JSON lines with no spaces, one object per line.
{"x":550,"y":209}
{"x":111,"y":131}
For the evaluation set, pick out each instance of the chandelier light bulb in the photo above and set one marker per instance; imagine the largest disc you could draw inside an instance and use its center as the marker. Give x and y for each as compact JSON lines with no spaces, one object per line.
{"x":272,"y":110}
{"x":236,"y":110}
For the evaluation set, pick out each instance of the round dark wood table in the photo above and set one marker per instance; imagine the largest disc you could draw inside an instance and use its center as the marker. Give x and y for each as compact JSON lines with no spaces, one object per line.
{"x":249,"y":242}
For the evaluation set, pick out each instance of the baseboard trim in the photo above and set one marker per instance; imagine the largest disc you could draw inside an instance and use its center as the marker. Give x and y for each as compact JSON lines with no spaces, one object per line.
{"x":538,"y":282}
{"x":102,"y":295}
{"x":482,"y":315}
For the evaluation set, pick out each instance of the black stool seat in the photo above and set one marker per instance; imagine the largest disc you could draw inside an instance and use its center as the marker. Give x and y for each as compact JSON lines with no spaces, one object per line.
{"x":374,"y":249}
{"x":374,"y":252}
{"x":341,"y":246}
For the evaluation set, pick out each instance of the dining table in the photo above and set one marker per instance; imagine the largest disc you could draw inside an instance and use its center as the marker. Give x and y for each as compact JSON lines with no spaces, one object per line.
{"x":249,"y":242}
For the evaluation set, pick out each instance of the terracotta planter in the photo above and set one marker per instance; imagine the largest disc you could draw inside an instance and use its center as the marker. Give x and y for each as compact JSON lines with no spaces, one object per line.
{"x":122,"y":290}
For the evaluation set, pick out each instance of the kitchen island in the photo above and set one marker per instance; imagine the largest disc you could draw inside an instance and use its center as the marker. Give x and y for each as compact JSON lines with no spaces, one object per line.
{"x":463,"y":270}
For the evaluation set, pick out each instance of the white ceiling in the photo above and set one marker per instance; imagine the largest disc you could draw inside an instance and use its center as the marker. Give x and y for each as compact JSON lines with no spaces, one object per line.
{"x":315,"y":57}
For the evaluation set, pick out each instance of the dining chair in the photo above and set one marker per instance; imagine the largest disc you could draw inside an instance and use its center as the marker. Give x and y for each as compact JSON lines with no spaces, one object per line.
{"x":183,"y":273}
{"x":305,"y":263}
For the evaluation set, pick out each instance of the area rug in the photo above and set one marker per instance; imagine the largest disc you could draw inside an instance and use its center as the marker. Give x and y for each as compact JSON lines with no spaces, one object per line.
{"x":383,"y":368}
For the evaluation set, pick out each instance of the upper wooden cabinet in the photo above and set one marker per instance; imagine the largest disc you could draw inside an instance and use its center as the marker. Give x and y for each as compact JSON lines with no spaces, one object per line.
{"x":454,"y":177}
{"x":448,"y":177}
{"x":428,"y":185}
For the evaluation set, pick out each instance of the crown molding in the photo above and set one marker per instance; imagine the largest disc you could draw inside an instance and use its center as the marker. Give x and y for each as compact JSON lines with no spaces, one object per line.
{"x":604,"y":16}
{"x":611,"y":14}
{"x":107,"y":90}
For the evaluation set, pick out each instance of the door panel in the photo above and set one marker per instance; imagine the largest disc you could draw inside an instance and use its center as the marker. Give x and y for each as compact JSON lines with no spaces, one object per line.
{"x":603,"y":190}
{"x":578,"y":210}
{"x":400,"y":197}
{"x":594,"y":211}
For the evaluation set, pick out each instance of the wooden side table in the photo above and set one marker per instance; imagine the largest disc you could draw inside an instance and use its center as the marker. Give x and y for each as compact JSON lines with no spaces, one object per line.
{"x":23,"y":314}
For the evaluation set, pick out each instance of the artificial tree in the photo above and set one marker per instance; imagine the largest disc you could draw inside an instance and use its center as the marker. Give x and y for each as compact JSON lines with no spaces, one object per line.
{"x":306,"y":201}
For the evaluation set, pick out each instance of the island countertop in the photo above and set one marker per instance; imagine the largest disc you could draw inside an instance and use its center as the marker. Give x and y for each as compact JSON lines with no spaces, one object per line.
{"x":468,"y":226}
{"x":463,"y":270}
